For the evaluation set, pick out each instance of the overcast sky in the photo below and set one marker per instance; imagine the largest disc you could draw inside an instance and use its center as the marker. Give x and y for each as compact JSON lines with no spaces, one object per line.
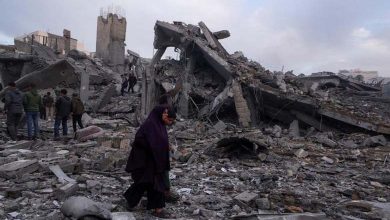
{"x":302,"y":35}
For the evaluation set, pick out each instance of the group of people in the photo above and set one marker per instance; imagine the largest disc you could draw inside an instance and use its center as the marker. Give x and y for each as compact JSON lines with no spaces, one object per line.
{"x":32,"y":104}
{"x":128,"y":83}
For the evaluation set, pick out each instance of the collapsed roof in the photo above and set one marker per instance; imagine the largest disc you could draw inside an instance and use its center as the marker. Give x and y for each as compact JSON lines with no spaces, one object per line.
{"x":252,"y":92}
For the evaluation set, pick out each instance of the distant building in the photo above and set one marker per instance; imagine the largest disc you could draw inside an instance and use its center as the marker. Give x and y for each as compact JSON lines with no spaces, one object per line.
{"x":324,"y":73}
{"x":60,"y":44}
{"x":367,"y":75}
{"x":110,"y":37}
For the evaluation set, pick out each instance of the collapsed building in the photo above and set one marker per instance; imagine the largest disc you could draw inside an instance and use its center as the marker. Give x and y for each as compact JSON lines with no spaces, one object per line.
{"x":215,"y":83}
{"x":249,"y":143}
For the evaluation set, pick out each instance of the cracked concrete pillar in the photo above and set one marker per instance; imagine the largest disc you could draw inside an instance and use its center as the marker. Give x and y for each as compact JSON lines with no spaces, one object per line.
{"x":148,"y":98}
{"x":242,"y":109}
{"x":183,"y":107}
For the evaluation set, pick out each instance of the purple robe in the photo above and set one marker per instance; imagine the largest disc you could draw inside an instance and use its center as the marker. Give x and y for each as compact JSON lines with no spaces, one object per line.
{"x":149,"y":156}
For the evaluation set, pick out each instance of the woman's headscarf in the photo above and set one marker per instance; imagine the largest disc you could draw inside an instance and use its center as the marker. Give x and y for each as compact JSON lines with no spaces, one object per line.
{"x":156,"y":135}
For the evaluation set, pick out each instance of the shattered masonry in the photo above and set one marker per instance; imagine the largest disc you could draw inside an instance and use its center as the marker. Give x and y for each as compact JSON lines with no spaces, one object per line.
{"x":248,"y":144}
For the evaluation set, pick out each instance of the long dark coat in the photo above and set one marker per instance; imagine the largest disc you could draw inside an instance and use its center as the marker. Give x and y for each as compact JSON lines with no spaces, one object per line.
{"x":149,"y":156}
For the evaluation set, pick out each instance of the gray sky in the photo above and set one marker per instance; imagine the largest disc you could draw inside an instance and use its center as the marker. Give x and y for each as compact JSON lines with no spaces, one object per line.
{"x":303,"y":35}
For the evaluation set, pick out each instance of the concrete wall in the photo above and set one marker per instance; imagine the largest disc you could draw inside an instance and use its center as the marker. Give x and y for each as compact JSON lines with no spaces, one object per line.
{"x":110,"y":39}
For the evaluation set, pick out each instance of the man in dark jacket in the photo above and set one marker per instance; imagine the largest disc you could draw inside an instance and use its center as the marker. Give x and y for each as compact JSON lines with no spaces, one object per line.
{"x":32,"y":103}
{"x":77,"y":111}
{"x":14,"y":109}
{"x":132,"y":82}
{"x":125,"y":84}
{"x":63,"y":110}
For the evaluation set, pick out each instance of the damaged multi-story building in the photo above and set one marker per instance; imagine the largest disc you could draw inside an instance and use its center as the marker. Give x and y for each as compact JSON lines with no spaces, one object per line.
{"x":210,"y":82}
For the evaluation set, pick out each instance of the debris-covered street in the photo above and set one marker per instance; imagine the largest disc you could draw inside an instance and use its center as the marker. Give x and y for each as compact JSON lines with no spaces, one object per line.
{"x":247,"y":143}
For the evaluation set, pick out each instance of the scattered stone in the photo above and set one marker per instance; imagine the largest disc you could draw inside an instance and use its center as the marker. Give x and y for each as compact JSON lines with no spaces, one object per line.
{"x":375,"y":141}
{"x":263,"y":203}
{"x":18,"y":145}
{"x":246,"y":197}
{"x":326,"y":141}
{"x":376,"y":184}
{"x":294,"y":129}
{"x":66,"y":191}
{"x":220,"y":126}
{"x":327,"y":159}
{"x":122,"y":216}
{"x":301,"y":153}
{"x":18,"y":168}
{"x":89,"y":133}
{"x":78,"y":207}
{"x":62,"y":177}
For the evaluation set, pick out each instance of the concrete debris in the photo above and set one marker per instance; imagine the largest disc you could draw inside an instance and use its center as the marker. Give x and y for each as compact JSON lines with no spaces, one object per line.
{"x":246,"y":197}
{"x":327,"y":159}
{"x":62,"y":177}
{"x":66,"y":191}
{"x":375,"y":141}
{"x":294,"y":129}
{"x":301,"y":153}
{"x":248,"y":143}
{"x":18,"y":168}
{"x":122,"y":216}
{"x":79,"y":207}
{"x":89,"y":133}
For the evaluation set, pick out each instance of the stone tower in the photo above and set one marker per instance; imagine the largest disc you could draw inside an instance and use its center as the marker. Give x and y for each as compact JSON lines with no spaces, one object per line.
{"x":110,"y":39}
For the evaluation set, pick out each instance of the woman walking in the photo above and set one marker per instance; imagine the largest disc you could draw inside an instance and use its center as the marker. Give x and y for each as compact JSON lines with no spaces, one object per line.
{"x":148,"y":161}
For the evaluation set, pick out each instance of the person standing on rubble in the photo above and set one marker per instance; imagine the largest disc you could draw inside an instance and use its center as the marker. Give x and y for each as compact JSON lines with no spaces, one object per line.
{"x":32,"y":103}
{"x":77,"y":111}
{"x":132,"y":82}
{"x":63,"y":107}
{"x":125,"y":84}
{"x":48,"y":102}
{"x":149,"y":161}
{"x":13,"y":108}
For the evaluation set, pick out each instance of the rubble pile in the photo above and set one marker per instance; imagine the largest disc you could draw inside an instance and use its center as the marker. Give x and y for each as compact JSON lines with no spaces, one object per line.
{"x":324,"y":172}
{"x":210,"y":78}
{"x":248,"y":143}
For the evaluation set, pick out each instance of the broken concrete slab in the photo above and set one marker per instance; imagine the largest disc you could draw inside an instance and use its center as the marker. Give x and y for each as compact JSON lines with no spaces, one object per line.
{"x":88,"y":133}
{"x":220,"y":126}
{"x":327,"y":159}
{"x":78,"y":207}
{"x":326,"y":141}
{"x":294,"y":129}
{"x":375,"y":141}
{"x":18,"y":168}
{"x":246,"y":196}
{"x":122,"y":216}
{"x":105,"y":97}
{"x":66,"y":191}
{"x":58,"y":72}
{"x":221,"y":34}
{"x":18,"y":145}
{"x":301,"y":153}
{"x":62,"y":177}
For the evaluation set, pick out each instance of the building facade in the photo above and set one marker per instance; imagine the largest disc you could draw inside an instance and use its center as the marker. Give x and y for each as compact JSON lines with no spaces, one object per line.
{"x":60,"y":44}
